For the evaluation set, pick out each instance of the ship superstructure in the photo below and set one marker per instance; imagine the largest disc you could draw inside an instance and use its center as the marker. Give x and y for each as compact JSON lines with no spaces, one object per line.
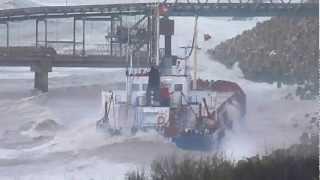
{"x":169,"y":98}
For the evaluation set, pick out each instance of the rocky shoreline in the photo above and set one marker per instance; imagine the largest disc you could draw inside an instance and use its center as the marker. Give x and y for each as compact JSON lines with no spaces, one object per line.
{"x":283,"y":50}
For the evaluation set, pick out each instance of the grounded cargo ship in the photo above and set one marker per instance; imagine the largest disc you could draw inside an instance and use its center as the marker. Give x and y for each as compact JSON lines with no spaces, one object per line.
{"x":164,"y":101}
{"x":167,"y":98}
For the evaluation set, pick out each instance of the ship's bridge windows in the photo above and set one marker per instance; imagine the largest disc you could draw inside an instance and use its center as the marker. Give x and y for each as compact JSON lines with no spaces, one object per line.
{"x":178,"y":87}
{"x":135,"y":87}
{"x":174,"y":62}
{"x":144,"y":87}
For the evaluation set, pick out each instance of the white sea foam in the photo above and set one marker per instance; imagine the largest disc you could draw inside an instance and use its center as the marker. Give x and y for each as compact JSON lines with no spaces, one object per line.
{"x":74,"y":102}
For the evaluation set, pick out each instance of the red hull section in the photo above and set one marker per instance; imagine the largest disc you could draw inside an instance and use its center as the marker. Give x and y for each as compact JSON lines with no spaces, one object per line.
{"x":225,"y":87}
{"x":239,"y":95}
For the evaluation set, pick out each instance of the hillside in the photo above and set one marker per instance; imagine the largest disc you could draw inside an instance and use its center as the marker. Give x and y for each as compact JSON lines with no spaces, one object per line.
{"x":283,"y":50}
{"x":10,"y":4}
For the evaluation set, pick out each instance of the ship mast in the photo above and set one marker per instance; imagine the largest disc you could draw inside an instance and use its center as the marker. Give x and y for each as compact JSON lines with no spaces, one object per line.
{"x":129,"y":71}
{"x":195,"y":55}
{"x":158,"y":32}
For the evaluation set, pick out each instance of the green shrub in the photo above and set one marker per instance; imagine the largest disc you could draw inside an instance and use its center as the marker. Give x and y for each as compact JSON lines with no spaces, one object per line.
{"x":136,"y":175}
{"x":299,"y":162}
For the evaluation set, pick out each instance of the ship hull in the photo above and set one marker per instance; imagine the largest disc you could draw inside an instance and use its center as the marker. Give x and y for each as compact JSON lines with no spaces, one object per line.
{"x":196,"y":142}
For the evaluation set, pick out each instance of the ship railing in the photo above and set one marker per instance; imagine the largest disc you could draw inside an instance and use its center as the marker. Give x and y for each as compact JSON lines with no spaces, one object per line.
{"x":212,"y":100}
{"x":193,"y":100}
{"x":118,"y":99}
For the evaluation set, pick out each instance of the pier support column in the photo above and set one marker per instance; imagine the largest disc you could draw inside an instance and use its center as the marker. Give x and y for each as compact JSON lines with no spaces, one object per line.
{"x":41,"y":72}
{"x":83,"y":37}
{"x":8,"y":35}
